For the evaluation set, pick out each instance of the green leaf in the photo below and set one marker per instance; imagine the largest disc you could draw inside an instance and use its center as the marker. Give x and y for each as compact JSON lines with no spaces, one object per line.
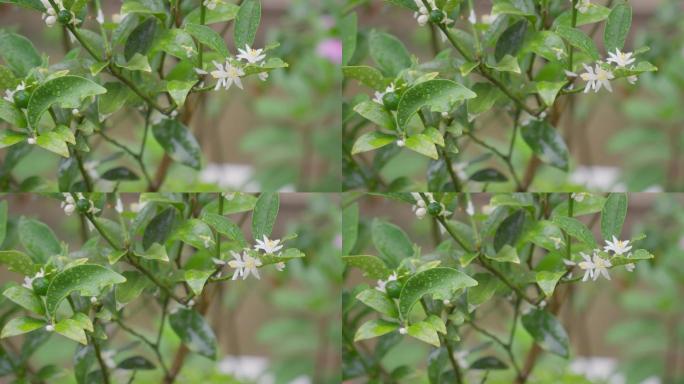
{"x":53,"y":142}
{"x":3,"y":222}
{"x":196,"y":233}
{"x":83,"y":321}
{"x":71,"y":329}
{"x":350,"y":227}
{"x":136,"y":363}
{"x":545,"y":234}
{"x":484,"y":290}
{"x":507,"y":63}
{"x":367,"y":76}
{"x":594,"y":14}
{"x":225,"y":226}
{"x":178,"y":142}
{"x":137,"y":63}
{"x":25,"y":298}
{"x":21,"y":325}
{"x":488,"y":363}
{"x":439,"y":282}
{"x":613,"y":215}
{"x":508,"y":232}
{"x":247,"y":23}
{"x":32,"y":4}
{"x":159,"y":228}
{"x":372,"y":266}
{"x":424,"y":331}
{"x":578,"y":39}
{"x":514,"y":7}
{"x":9,"y":138}
{"x":65,"y":91}
{"x":194,"y":332}
{"x":547,"y":280}
{"x":115,"y":98}
{"x":208,"y":37}
{"x":547,"y":331}
{"x":155,"y":252}
{"x":264,"y":215}
{"x":378,"y":301}
{"x":129,"y":290}
{"x":511,"y":40}
{"x":18,"y":262}
{"x":439,"y":95}
{"x":88,"y":279}
{"x":546,"y":44}
{"x":547,"y":143}
{"x":177,"y":43}
{"x":639,"y":254}
{"x":141,"y":38}
{"x":375,"y":328}
{"x":84,"y":358}
{"x":286,"y":255}
{"x":488,"y":175}
{"x":196,"y":279}
{"x":145,"y":7}
{"x":38,"y":239}
{"x":391,"y":241}
{"x":348,"y":27}
{"x":120,"y":174}
{"x":223,"y":12}
{"x":376,"y":113}
{"x":617,"y":27}
{"x":19,"y":53}
{"x":422,"y":144}
{"x":11,"y":114}
{"x":179,"y":90}
{"x":372,"y":140}
{"x":506,"y":254}
{"x":548,"y":90}
{"x":576,"y":229}
{"x":388,"y":52}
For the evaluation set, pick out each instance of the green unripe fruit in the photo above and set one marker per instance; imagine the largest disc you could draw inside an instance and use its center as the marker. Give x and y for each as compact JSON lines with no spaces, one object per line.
{"x":435,"y":208}
{"x":83,"y":205}
{"x":393,"y":289}
{"x":391,"y":101}
{"x":40,"y":286}
{"x":64,"y":16}
{"x":21,"y":99}
{"x":437,"y":16}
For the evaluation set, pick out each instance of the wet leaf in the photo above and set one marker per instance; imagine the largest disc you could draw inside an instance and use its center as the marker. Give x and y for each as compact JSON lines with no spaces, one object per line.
{"x":547,"y":331}
{"x":65,"y":91}
{"x":178,"y":142}
{"x":194,"y":332}
{"x":247,"y":22}
{"x":440,"y":283}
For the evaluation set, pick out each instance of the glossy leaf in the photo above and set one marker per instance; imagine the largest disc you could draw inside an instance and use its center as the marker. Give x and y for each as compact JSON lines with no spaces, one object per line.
{"x":348,"y":27}
{"x":247,"y":23}
{"x":547,"y":280}
{"x":372,"y":266}
{"x":141,"y":38}
{"x":222,"y":12}
{"x":547,"y":143}
{"x":196,"y":280}
{"x":18,"y":262}
{"x":378,"y":301}
{"x":375,"y":328}
{"x":196,"y":233}
{"x":576,"y":229}
{"x":506,"y":254}
{"x":178,"y":142}
{"x":38,"y":239}
{"x":578,"y":39}
{"x":366,"y":75}
{"x":350,"y":227}
{"x":71,"y":329}
{"x":129,"y":290}
{"x":25,"y":298}
{"x":508,"y":232}
{"x":422,"y":144}
{"x":65,"y":91}
{"x":88,"y":279}
{"x":159,"y":228}
{"x":21,"y":325}
{"x":511,"y":40}
{"x":391,"y":241}
{"x":155,"y":252}
{"x":120,"y":174}
{"x":613,"y":215}
{"x":179,"y":90}
{"x":19,"y":53}
{"x":547,"y":331}
{"x":388,"y":52}
{"x":425,"y":332}
{"x":438,"y":95}
{"x":11,"y":114}
{"x":264,"y":215}
{"x":488,"y":175}
{"x":376,"y":113}
{"x":136,"y":363}
{"x":194,"y":332}
{"x":617,"y":27}
{"x":372,"y":140}
{"x":548,"y":90}
{"x":208,"y":37}
{"x":225,"y":226}
{"x":488,"y":363}
{"x":439,"y":282}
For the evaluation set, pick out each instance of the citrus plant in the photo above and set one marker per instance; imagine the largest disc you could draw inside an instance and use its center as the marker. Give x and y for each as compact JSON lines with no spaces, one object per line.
{"x":155,"y":60}
{"x":169,"y":252}
{"x":495,"y":272}
{"x":514,"y":70}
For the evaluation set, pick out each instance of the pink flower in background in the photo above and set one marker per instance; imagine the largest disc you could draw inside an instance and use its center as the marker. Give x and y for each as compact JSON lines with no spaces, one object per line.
{"x":330,"y":49}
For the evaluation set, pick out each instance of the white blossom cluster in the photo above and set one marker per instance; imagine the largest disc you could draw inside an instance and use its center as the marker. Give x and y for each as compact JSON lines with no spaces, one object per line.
{"x":245,"y":264}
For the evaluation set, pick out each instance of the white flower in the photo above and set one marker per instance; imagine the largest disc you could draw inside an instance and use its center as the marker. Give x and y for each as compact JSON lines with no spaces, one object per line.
{"x":617,"y":246}
{"x":460,"y":170}
{"x":579,"y":196}
{"x":208,"y":241}
{"x":50,"y":15}
{"x":210,"y":4}
{"x":632,"y":79}
{"x":621,"y":59}
{"x":28,"y":281}
{"x":263,"y":76}
{"x":488,"y":18}
{"x":9,"y":95}
{"x":601,"y":266}
{"x":419,"y":208}
{"x":100,"y":16}
{"x":583,"y":5}
{"x":472,"y":18}
{"x":93,"y":300}
{"x":401,"y":143}
{"x":560,"y":53}
{"x":238,"y":264}
{"x":117,"y":18}
{"x":69,"y":204}
{"x":268,"y":246}
{"x":227,"y":75}
{"x":403,"y":330}
{"x":379,"y":95}
{"x":383,"y":283}
{"x":630,"y":267}
{"x":597,"y":77}
{"x":557,"y":242}
{"x":251,"y":55}
{"x":592,"y":267}
{"x":470,"y":209}
{"x":119,"y":205}
{"x":251,"y":266}
{"x":280,"y":266}
{"x":50,"y":328}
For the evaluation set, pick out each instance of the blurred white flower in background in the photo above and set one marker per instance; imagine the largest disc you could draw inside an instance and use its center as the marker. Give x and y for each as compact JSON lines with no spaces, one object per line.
{"x":252,"y":369}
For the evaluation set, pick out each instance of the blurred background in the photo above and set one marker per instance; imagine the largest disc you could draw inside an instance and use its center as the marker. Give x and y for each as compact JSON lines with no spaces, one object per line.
{"x":625,"y":331}
{"x":282,"y":134}
{"x":284,"y":328}
{"x":631,"y":139}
